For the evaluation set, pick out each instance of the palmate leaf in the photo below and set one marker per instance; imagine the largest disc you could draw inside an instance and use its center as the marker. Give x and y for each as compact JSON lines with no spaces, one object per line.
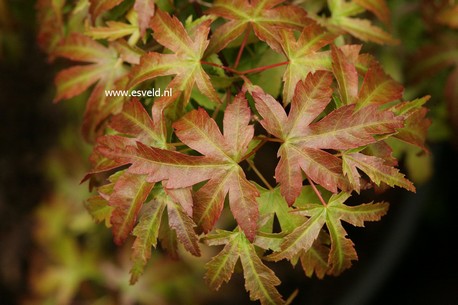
{"x":134,"y":124}
{"x":129,"y":193}
{"x":98,"y":7}
{"x":179,"y":225}
{"x":416,"y":123}
{"x":265,"y":17}
{"x":304,"y":142}
{"x":304,"y":56}
{"x":343,"y":18}
{"x":145,"y":11}
{"x":184,"y":63}
{"x":342,"y":251}
{"x":377,"y":87}
{"x":218,"y":165}
{"x":104,"y":68}
{"x":378,"y":7}
{"x":260,"y":281}
{"x":146,"y":232}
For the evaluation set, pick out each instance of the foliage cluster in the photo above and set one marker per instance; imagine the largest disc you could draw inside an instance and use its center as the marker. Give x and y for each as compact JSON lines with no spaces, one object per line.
{"x":245,"y":75}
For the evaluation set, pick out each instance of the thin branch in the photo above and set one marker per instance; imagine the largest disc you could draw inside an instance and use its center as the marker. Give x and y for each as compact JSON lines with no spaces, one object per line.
{"x":254,"y":70}
{"x":258,"y":173}
{"x":264,"y":138}
{"x":242,"y":46}
{"x":263,"y":68}
{"x":254,"y":150}
{"x":317,"y":192}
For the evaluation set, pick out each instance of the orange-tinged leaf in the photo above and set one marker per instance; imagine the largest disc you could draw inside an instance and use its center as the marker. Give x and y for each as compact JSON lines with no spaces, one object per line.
{"x":130,"y":192}
{"x":378,"y":7}
{"x":145,"y":10}
{"x":416,"y":123}
{"x":105,"y":68}
{"x":218,"y":165}
{"x":304,"y":56}
{"x":346,"y":128}
{"x":377,"y":171}
{"x":448,"y":15}
{"x":364,"y":30}
{"x":346,"y":75}
{"x":184,"y":63}
{"x":311,"y":98}
{"x":183,"y":226}
{"x":264,"y":17}
{"x":135,"y":122}
{"x":237,"y":131}
{"x":378,"y":88}
{"x":99,"y":7}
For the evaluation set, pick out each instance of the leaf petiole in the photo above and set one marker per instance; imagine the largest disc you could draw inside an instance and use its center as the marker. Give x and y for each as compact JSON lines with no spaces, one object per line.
{"x":317,"y":192}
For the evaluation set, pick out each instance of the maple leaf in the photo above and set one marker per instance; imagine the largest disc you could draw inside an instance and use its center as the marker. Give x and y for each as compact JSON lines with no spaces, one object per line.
{"x":133,"y":124}
{"x":113,"y":31}
{"x":98,"y":7}
{"x":375,"y":168}
{"x":264,"y":17}
{"x":51,"y":30}
{"x":184,"y":63}
{"x":218,"y":165}
{"x":342,"y":251}
{"x":303,"y":55}
{"x":377,"y":87}
{"x":378,"y":7}
{"x":260,"y":281}
{"x":145,"y":10}
{"x":304,"y":142}
{"x":342,"y":18}
{"x":104,"y":68}
{"x":148,"y":229}
{"x":416,"y":123}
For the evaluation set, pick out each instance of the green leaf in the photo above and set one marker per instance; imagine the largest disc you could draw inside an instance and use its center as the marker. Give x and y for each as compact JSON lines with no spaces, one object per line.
{"x":260,"y":281}
{"x":305,"y":237}
{"x":147,"y":232}
{"x":99,"y":209}
{"x":221,"y":266}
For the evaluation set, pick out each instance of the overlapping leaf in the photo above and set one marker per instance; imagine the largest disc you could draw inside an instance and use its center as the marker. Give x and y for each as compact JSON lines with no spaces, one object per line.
{"x":104,"y":68}
{"x":343,"y":18}
{"x":304,"y":56}
{"x":305,"y":143}
{"x":342,"y":251}
{"x":184,"y":63}
{"x":264,"y":17}
{"x":260,"y":281}
{"x":218,"y":165}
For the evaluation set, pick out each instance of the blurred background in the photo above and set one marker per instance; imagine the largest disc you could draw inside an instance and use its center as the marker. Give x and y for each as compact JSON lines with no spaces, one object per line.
{"x":52,"y":252}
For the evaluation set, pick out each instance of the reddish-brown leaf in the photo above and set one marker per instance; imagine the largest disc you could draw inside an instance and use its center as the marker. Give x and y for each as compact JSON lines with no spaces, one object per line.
{"x":264,"y":17}
{"x":184,"y":63}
